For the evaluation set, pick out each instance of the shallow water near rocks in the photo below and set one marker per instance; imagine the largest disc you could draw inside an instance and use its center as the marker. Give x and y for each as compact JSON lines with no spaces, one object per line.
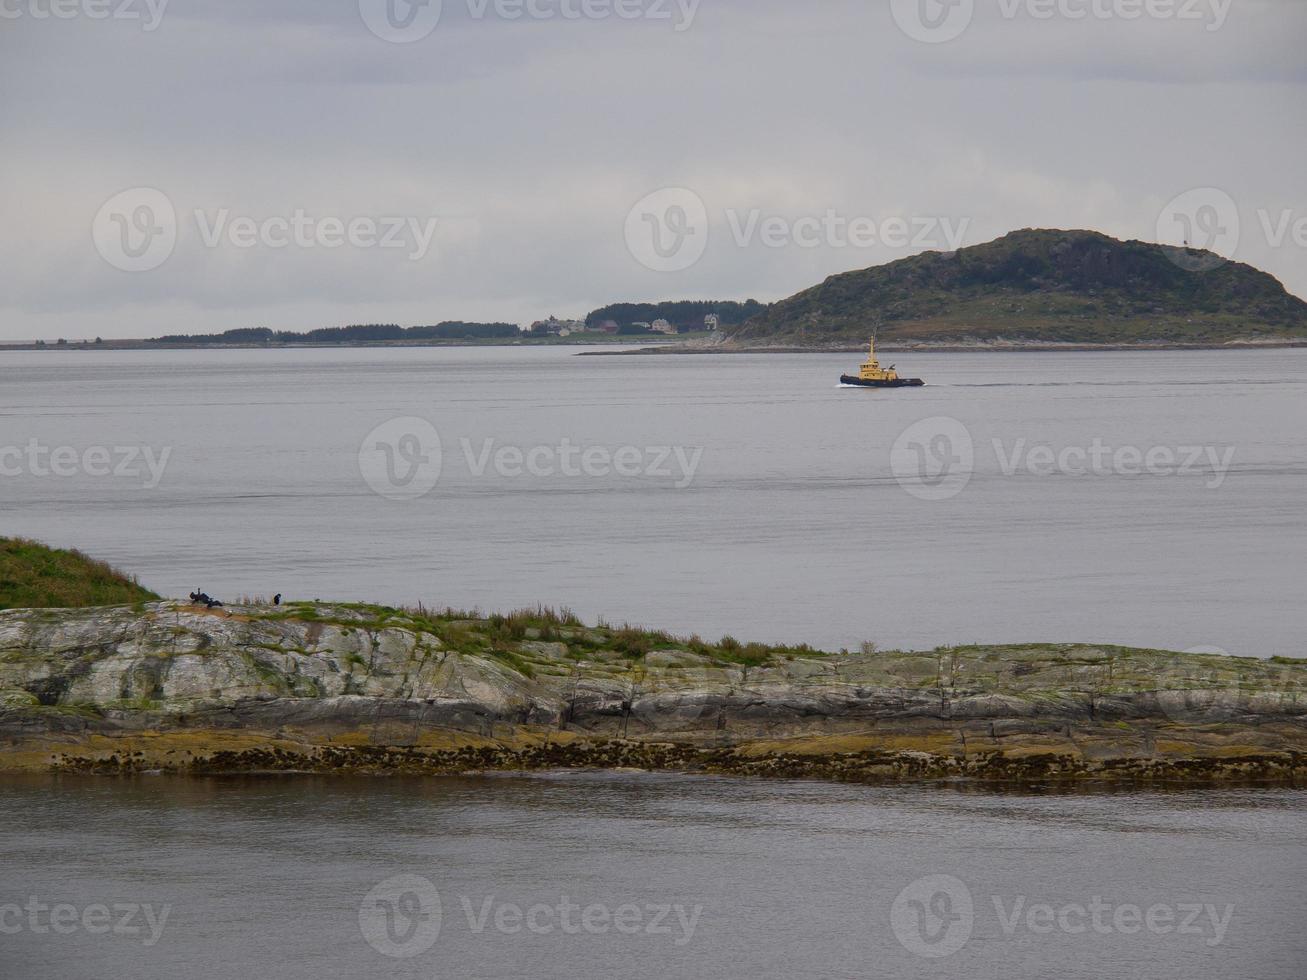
{"x":708,"y":877}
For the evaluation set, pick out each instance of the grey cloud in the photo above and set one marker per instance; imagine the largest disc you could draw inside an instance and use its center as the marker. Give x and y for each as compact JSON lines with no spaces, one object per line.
{"x":530,"y":141}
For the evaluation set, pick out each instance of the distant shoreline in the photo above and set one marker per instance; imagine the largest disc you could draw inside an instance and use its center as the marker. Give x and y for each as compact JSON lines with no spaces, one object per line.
{"x":646,"y":345}
{"x":1025,"y":347}
{"x":121,"y":345}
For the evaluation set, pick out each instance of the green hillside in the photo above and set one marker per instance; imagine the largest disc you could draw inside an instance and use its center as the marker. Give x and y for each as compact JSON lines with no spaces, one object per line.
{"x":1037,"y":285}
{"x":33,"y":576}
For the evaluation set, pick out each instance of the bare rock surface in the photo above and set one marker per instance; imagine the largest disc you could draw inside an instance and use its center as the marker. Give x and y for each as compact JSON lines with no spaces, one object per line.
{"x":371,"y":675}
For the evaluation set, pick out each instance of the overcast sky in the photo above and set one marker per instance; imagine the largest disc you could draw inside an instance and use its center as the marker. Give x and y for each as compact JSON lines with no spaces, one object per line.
{"x":157,"y":161}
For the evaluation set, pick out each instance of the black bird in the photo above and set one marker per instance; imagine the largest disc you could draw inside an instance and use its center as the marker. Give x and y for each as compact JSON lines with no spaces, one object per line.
{"x":276,"y":600}
{"x":203,"y":598}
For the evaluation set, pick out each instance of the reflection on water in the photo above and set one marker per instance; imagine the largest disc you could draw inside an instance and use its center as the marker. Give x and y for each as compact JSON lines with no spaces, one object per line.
{"x":267,"y":877}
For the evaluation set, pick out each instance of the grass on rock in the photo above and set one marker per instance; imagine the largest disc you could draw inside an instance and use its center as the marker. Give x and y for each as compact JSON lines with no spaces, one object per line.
{"x":34,"y":576}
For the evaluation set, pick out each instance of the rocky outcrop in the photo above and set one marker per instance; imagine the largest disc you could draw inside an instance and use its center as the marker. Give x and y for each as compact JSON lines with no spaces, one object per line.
{"x":169,"y":685}
{"x":1043,"y":286}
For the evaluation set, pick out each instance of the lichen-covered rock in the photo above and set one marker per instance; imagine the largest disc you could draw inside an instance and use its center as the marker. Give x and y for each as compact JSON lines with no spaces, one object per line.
{"x":168,"y":665}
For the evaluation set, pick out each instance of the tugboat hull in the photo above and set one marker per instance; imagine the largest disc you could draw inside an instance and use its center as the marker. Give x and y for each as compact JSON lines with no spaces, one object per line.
{"x":846,"y":379}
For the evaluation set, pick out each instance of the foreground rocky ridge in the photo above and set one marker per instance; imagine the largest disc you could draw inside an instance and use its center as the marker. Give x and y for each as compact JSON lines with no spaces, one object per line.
{"x":316,"y":687}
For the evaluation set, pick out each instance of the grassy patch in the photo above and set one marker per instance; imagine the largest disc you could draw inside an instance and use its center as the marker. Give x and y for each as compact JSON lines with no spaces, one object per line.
{"x":33,"y":576}
{"x":514,"y":661}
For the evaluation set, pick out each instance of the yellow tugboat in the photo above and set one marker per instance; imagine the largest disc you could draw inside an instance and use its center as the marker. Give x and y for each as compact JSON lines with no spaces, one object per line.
{"x":872,"y":375}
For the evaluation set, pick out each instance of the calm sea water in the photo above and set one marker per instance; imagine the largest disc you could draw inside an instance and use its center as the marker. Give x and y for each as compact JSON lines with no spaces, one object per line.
{"x":287,"y":878}
{"x":793,"y":526}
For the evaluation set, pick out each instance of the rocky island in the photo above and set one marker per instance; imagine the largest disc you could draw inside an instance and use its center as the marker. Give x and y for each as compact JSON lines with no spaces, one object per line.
{"x":314,"y":687}
{"x":1037,"y":289}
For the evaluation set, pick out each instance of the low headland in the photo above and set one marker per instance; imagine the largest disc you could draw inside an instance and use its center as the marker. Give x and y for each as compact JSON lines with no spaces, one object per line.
{"x":170,"y":686}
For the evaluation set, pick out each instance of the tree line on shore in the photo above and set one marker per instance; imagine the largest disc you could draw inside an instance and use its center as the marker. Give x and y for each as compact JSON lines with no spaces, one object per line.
{"x":688,"y":315}
{"x":357,"y":333}
{"x":684,"y":314}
